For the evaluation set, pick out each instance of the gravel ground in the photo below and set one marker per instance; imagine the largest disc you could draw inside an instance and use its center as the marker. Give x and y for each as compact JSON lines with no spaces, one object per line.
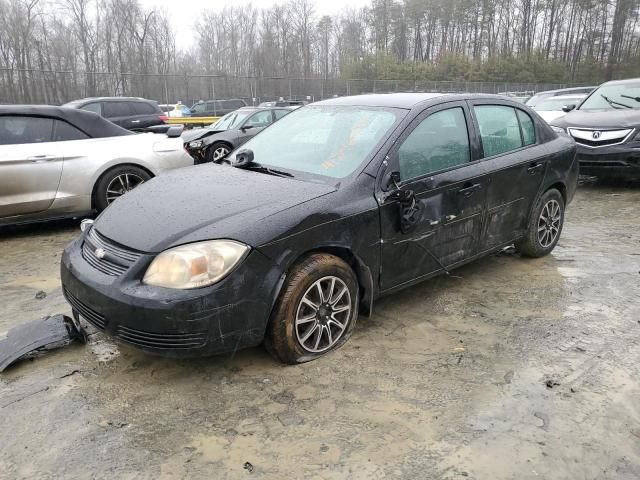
{"x":519,"y":369}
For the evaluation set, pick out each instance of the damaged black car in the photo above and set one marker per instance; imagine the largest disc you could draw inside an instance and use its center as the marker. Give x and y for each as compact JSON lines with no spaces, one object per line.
{"x":215,"y":142}
{"x":335,"y":205}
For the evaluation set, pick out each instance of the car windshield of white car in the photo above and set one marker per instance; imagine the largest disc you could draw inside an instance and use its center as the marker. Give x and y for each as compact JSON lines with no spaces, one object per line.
{"x":325,"y":140}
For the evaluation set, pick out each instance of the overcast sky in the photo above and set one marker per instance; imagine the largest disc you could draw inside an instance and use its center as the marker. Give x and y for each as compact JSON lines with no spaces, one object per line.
{"x":186,"y":11}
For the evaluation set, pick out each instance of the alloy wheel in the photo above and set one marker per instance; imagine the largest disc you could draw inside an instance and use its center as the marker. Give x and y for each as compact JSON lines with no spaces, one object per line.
{"x":122,"y":184}
{"x":219,"y":153}
{"x":549,"y":223}
{"x":323,"y":314}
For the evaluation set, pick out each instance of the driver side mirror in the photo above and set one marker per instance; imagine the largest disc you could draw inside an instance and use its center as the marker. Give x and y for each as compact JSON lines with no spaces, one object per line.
{"x":568,"y":108}
{"x":246,"y":127}
{"x":410,"y":208}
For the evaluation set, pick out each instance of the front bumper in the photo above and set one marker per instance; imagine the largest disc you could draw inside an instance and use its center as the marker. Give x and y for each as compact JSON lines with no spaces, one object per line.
{"x":621,"y":161}
{"x":224,"y":317}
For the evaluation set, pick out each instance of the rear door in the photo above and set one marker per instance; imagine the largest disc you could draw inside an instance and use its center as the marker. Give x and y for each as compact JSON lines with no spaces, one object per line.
{"x":517,"y":164}
{"x":146,"y":114}
{"x":121,"y":113}
{"x":437,"y":159}
{"x":30,"y":165}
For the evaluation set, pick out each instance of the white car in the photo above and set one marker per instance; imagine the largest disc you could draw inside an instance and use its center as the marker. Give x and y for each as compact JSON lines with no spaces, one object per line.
{"x":59,"y":162}
{"x":551,"y":108}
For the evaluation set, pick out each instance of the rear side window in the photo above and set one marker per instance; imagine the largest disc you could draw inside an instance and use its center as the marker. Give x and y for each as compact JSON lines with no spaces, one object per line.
{"x":439,"y":142}
{"x":528,"y":129}
{"x":64,"y":132}
{"x":117,"y":109}
{"x":142,"y":108}
{"x":499,"y":129}
{"x":20,"y":130}
{"x":211,"y":106}
{"x":93,"y":107}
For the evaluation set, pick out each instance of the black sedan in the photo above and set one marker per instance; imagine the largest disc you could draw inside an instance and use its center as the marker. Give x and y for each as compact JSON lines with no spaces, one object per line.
{"x":338,"y":203}
{"x":215,"y":142}
{"x":606,"y":127}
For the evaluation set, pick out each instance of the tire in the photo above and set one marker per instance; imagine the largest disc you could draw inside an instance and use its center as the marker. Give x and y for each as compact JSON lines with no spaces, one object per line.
{"x":116,"y":182}
{"x":293,"y":341}
{"x":545,"y":226}
{"x":218,"y":151}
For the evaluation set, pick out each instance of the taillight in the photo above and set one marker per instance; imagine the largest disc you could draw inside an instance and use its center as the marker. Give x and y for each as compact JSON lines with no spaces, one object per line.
{"x":163,"y":118}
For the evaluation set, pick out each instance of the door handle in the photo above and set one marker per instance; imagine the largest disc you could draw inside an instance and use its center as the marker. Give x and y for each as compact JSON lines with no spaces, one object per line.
{"x":41,"y":158}
{"x":469,"y":189}
{"x":450,"y":218}
{"x":135,"y":121}
{"x":535,"y":168}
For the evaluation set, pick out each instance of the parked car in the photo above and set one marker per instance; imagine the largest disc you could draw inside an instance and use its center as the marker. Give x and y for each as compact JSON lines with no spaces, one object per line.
{"x":178,"y":110}
{"x":552,"y":108}
{"x":213,"y":143}
{"x":127,"y":112}
{"x":606,"y":127}
{"x":538,"y":97}
{"x":60,"y":162}
{"x":216,"y":108}
{"x":331,"y":207}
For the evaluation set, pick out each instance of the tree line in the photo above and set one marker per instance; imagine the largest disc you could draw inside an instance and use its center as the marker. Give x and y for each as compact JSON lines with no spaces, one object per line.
{"x":53,"y":50}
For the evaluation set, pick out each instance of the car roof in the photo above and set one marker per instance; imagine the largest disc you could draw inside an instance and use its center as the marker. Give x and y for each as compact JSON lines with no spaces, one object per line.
{"x":109,"y":99}
{"x":91,"y":123}
{"x":405,"y":100}
{"x":626,"y":81}
{"x":567,"y":90}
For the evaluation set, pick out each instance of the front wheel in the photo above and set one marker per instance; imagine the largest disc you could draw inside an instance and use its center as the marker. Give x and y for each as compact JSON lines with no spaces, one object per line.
{"x":218,"y":152}
{"x":545,"y":226}
{"x":116,"y":182}
{"x":316,"y":311}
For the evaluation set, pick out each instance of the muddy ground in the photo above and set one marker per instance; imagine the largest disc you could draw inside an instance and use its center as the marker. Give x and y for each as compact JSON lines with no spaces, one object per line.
{"x":520,"y":369}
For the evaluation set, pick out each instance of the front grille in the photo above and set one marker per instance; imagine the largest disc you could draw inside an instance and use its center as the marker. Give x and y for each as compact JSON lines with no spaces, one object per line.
{"x":116,"y":259}
{"x":595,"y":138}
{"x":85,"y":311}
{"x":141,"y":338}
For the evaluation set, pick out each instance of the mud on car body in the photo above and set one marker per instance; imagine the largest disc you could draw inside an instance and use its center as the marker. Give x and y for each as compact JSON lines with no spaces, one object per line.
{"x":336,"y":204}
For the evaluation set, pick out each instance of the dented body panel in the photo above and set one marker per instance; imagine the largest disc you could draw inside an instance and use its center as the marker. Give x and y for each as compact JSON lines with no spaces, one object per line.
{"x":460,"y":214}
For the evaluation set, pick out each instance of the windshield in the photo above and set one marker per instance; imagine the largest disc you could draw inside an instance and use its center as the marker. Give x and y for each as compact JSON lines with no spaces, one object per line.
{"x":323,"y":140}
{"x":555,"y":104}
{"x":230,"y":120}
{"x":614,"y":96}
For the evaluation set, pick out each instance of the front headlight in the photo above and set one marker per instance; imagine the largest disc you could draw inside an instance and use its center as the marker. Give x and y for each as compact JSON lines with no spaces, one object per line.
{"x":558,"y":129}
{"x":195,"y":265}
{"x":196,"y":144}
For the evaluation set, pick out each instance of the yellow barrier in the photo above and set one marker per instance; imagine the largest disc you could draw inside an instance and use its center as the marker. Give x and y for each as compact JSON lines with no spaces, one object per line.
{"x":190,"y":120}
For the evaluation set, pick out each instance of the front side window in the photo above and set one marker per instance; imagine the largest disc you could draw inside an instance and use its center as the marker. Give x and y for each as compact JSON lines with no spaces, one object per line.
{"x":280,"y":113}
{"x":117,"y":109}
{"x":325,"y":140}
{"x":16,"y":130}
{"x":260,"y":119}
{"x":198,"y":108}
{"x":499,"y":129}
{"x":93,"y":107}
{"x":439,"y":142}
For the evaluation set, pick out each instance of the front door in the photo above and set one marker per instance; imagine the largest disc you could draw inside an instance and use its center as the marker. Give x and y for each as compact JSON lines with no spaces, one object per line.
{"x":30,"y":165}
{"x":517,"y":165}
{"x":436,"y":158}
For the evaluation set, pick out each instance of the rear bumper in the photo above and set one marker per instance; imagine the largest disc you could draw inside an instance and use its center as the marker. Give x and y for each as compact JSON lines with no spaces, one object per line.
{"x":176,"y":323}
{"x":616,"y":161}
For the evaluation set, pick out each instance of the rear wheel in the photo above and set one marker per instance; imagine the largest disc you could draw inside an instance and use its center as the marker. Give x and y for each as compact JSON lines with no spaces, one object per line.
{"x":316,"y":311}
{"x":116,"y":182}
{"x":218,"y":152}
{"x":545,"y":226}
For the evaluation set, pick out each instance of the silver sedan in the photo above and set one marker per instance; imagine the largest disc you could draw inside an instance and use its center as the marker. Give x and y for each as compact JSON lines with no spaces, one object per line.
{"x":58,"y":162}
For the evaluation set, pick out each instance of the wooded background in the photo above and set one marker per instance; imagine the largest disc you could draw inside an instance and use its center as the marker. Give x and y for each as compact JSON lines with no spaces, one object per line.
{"x":54,"y":51}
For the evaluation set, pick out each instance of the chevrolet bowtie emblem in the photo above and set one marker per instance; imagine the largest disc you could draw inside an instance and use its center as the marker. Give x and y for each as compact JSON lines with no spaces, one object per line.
{"x":100,"y":253}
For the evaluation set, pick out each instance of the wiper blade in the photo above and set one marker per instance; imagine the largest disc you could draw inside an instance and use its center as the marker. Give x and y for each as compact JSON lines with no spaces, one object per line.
{"x":613,"y":103}
{"x":637,"y":99}
{"x":256,"y":167}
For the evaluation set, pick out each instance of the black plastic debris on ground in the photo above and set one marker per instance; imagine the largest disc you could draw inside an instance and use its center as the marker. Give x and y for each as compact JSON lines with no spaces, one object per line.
{"x":33,"y":338}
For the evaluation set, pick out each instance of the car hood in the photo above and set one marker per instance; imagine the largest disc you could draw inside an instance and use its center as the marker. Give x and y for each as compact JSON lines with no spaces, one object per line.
{"x":203,"y":203}
{"x":600,"y":119}
{"x":197,"y":134}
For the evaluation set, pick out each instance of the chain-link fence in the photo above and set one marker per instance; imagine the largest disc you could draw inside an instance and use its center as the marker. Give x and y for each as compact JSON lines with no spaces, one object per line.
{"x":57,"y":87}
